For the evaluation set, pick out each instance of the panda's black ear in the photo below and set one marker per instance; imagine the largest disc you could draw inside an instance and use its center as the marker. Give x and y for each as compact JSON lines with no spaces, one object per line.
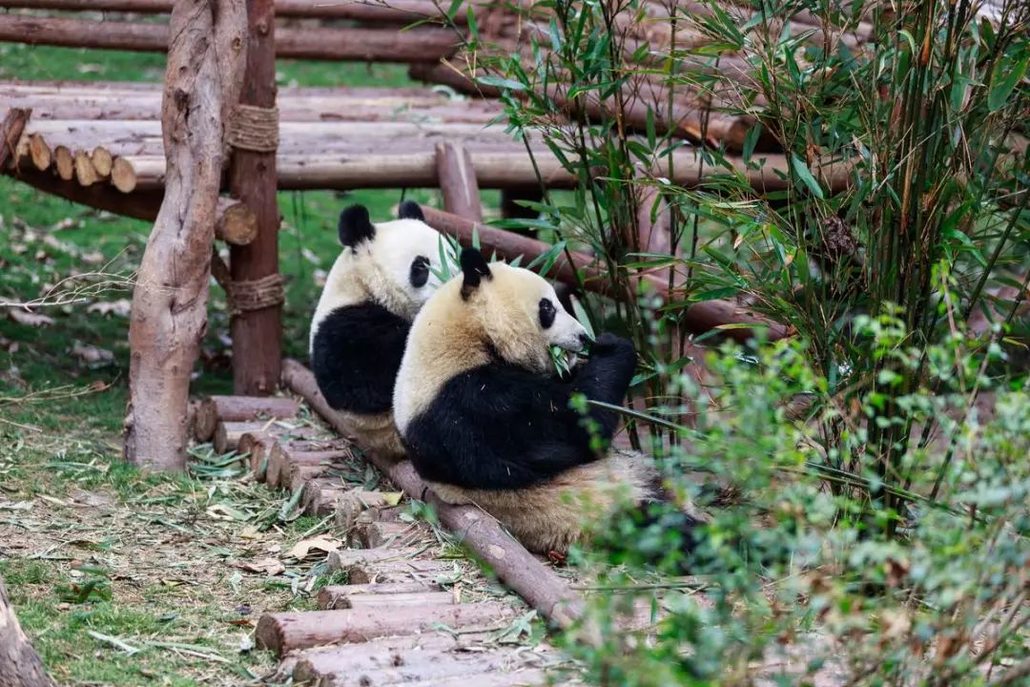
{"x":355,"y":226}
{"x":473,"y":268}
{"x":409,"y":209}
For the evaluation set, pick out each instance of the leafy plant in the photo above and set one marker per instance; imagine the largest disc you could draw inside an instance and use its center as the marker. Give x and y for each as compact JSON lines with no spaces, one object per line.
{"x":877,"y":522}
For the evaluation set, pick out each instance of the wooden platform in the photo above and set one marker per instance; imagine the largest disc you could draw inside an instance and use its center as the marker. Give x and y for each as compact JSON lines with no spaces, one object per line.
{"x":329,"y":139}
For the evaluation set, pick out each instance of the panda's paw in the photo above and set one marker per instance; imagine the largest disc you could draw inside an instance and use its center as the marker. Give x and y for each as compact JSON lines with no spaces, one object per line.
{"x":609,"y":344}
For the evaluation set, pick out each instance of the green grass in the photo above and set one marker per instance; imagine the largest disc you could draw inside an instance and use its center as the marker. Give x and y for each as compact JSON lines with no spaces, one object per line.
{"x":146,"y":563}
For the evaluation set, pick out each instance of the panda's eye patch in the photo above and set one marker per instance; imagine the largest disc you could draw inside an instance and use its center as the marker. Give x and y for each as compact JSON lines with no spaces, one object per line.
{"x":547,"y":313}
{"x":419,"y":271}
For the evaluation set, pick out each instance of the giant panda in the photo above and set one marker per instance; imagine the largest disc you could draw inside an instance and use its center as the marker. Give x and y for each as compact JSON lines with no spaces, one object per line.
{"x":381,"y":278}
{"x":485,"y":420}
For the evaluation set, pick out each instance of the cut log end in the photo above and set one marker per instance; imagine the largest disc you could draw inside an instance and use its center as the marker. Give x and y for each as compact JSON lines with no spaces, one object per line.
{"x":102,"y":161}
{"x":39,"y":152}
{"x":64,"y":162}
{"x":123,"y":175}
{"x":237,"y":224}
{"x":85,"y":173}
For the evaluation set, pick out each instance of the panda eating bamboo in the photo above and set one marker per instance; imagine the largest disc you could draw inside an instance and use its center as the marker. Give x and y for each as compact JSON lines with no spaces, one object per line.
{"x":485,"y":420}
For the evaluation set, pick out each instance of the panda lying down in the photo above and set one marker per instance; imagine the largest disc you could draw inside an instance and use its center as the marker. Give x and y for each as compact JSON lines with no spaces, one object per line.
{"x":485,"y":420}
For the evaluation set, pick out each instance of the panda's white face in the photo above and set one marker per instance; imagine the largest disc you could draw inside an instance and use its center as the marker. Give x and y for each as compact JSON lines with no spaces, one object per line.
{"x":393,"y":264}
{"x":559,"y":327}
{"x":403,"y":261}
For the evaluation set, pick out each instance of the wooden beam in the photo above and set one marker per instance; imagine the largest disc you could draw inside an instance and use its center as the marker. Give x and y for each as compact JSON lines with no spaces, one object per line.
{"x":377,"y":11}
{"x":700,"y":317}
{"x":257,"y":333}
{"x":235,"y":223}
{"x":458,"y":181}
{"x":422,"y":44}
{"x":169,"y":302}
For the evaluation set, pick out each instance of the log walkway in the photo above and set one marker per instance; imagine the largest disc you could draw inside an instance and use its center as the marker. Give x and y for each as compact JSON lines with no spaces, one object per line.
{"x":400,"y":618}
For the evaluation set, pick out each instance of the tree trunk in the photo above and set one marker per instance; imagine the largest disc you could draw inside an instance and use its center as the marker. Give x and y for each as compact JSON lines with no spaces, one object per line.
{"x":169,"y":308}
{"x":257,"y":331}
{"x":19,"y":663}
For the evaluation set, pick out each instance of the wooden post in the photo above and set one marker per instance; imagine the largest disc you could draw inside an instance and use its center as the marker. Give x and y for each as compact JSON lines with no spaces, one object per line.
{"x":256,"y":326}
{"x":458,"y":181}
{"x":19,"y":663}
{"x":169,"y":302}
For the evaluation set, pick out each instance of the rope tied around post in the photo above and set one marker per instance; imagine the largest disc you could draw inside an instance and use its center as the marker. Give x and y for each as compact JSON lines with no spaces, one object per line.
{"x":244,"y":296}
{"x":253,"y":128}
{"x":256,"y":294}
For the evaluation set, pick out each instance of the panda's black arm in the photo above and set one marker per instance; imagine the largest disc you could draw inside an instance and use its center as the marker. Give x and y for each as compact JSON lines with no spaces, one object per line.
{"x":605,"y":377}
{"x":501,"y":427}
{"x":355,"y":356}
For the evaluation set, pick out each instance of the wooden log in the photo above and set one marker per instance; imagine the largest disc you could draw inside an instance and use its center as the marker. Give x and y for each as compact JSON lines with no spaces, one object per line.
{"x":10,"y":133}
{"x":64,"y":163}
{"x":372,"y":535}
{"x":39,"y":151}
{"x":300,"y":475}
{"x":482,"y":668}
{"x":354,"y":503}
{"x":237,"y":224}
{"x":215,"y":409}
{"x":123,"y":175}
{"x":386,"y":603}
{"x":20,"y":665}
{"x":111,"y":102}
{"x":381,"y":11}
{"x":336,"y":597}
{"x":85,"y":174}
{"x":700,"y":317}
{"x":228,"y":434}
{"x":280,"y":465}
{"x":249,"y":443}
{"x":321,"y":495}
{"x":102,"y":161}
{"x":316,"y":665}
{"x":283,"y":632}
{"x":261,"y":452}
{"x":139,"y":205}
{"x":364,"y":566}
{"x":458,"y":181}
{"x":423,"y":44}
{"x":500,"y":165}
{"x":257,"y":331}
{"x":521,"y":571}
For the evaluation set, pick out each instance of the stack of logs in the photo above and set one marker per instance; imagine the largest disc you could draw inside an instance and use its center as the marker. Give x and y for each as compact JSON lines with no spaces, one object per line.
{"x":381,"y":627}
{"x":88,"y":167}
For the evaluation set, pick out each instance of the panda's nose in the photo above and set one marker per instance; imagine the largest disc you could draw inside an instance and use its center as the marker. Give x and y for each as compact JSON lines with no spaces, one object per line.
{"x":584,"y":340}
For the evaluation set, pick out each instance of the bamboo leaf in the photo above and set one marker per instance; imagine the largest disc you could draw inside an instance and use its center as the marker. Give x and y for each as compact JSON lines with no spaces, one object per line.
{"x":1004,"y":82}
{"x":500,"y":82}
{"x":801,"y":169}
